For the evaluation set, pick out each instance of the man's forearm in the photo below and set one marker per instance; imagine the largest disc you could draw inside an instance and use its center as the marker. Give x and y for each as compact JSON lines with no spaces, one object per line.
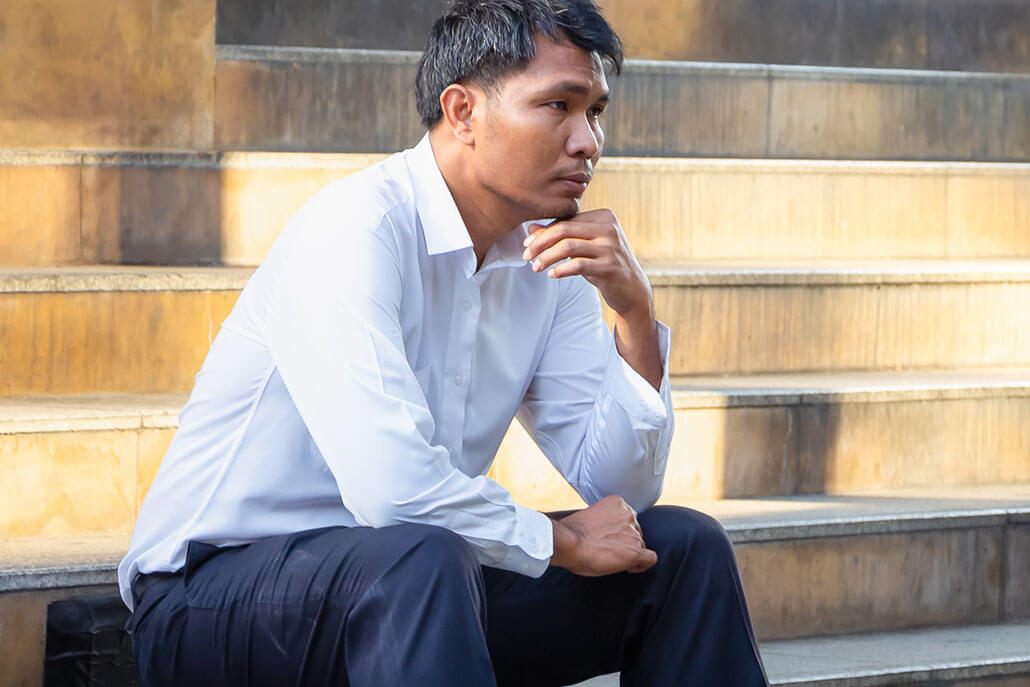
{"x":636,"y":338}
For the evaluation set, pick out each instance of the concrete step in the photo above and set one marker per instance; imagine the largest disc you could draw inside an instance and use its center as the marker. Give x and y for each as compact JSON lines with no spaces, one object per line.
{"x":107,"y":74}
{"x":964,"y":656}
{"x":968,"y":34}
{"x":812,"y":566}
{"x":122,"y":329}
{"x":35,"y":571}
{"x":125,"y":329}
{"x":192,"y":208}
{"x":750,"y":318}
{"x":776,"y":435}
{"x":276,"y":98}
{"x":82,"y":463}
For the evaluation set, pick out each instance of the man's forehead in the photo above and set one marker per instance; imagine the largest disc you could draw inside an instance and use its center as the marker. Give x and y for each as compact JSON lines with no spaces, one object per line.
{"x":562,"y":66}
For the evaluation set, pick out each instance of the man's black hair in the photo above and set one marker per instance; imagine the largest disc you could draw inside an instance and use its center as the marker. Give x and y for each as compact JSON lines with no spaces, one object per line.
{"x":483,"y":41}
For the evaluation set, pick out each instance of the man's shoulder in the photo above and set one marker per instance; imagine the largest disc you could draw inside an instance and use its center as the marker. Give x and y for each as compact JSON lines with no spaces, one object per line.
{"x":371,"y":192}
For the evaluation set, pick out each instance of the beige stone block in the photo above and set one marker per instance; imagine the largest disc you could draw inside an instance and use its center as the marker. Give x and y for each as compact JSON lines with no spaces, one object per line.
{"x":153,"y":444}
{"x":23,"y":633}
{"x":39,"y":215}
{"x":106,"y":341}
{"x":67,"y":483}
{"x":525,"y":471}
{"x":752,"y":329}
{"x":891,"y":445}
{"x":688,"y":113}
{"x":699,"y":210}
{"x":257,"y":200}
{"x":731,"y":453}
{"x":163,"y":213}
{"x":987,"y":212}
{"x":876,"y":119}
{"x":1017,"y":571}
{"x":866,"y":583}
{"x":107,"y":74}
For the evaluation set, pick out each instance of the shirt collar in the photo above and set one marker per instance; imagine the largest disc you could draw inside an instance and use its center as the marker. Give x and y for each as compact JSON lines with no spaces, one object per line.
{"x":442,"y":225}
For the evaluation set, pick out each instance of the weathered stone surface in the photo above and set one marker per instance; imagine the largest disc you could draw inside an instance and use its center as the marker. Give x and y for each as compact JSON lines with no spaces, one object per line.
{"x":301,"y":101}
{"x":778,"y":329}
{"x":202,"y":209}
{"x":106,"y":341}
{"x":394,"y":24}
{"x":1017,"y":563}
{"x":23,"y":630}
{"x":107,"y":74}
{"x":855,"y":584}
{"x":361,"y":101}
{"x":968,"y":35}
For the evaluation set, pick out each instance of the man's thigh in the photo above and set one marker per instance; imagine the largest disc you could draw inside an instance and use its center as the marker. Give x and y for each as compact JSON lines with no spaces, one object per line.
{"x":275,"y":612}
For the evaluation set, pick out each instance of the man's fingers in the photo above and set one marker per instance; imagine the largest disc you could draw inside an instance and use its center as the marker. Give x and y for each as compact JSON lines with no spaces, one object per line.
{"x":543,"y":238}
{"x":646,"y":559}
{"x":566,"y":248}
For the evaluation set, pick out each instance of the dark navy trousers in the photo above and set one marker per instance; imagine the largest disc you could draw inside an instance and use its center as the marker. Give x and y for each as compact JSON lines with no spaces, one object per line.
{"x":409,"y":605}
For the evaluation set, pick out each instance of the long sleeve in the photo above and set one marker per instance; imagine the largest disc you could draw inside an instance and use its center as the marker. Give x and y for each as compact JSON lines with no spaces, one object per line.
{"x":602,"y":425}
{"x":334,"y":331}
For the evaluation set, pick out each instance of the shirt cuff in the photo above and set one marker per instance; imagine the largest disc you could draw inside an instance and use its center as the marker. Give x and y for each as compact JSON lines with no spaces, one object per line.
{"x":633,"y":393}
{"x":531,"y":555}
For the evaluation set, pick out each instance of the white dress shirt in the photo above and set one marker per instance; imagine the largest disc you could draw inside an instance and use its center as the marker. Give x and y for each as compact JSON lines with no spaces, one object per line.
{"x":367,"y":376}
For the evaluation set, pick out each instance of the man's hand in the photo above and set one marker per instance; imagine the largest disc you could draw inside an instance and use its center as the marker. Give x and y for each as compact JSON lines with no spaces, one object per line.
{"x":597,"y":249}
{"x":601,"y":540}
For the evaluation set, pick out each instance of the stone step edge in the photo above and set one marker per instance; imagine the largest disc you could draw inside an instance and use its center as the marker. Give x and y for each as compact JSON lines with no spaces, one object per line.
{"x":762,"y":527}
{"x":272,"y":53}
{"x":701,"y":274}
{"x":228,"y":160}
{"x":935,"y":666}
{"x":120,"y":411}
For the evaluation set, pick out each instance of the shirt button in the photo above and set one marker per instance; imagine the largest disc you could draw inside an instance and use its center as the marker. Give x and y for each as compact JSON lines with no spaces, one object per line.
{"x":457,"y":380}
{"x":466,"y":305}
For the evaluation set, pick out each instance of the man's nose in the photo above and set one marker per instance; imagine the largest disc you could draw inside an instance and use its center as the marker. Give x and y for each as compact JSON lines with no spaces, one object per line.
{"x":585,"y":138}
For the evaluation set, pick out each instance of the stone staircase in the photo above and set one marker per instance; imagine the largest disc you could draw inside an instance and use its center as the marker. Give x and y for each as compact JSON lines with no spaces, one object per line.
{"x":838,"y":234}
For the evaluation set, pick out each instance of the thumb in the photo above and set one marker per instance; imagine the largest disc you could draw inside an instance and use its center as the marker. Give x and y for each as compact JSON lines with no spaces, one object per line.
{"x":646,"y":559}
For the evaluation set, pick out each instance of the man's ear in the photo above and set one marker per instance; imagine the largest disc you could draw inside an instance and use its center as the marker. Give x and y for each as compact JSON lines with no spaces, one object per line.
{"x":458,"y":103}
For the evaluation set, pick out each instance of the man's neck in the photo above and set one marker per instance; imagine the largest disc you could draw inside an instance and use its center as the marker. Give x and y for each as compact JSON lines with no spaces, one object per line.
{"x":486,"y":217}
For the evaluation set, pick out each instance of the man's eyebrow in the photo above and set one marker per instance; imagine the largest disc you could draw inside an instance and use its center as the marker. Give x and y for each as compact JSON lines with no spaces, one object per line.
{"x":576,"y":87}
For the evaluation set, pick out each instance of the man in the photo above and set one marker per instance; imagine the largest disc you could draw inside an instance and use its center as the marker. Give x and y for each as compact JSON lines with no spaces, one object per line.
{"x":323,"y":516}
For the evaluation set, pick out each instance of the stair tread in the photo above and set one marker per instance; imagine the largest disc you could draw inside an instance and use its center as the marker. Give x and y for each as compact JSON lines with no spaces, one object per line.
{"x":947,"y":653}
{"x":26,"y":562}
{"x":82,"y":278}
{"x":102,"y":411}
{"x":893,"y":658}
{"x":853,"y":386}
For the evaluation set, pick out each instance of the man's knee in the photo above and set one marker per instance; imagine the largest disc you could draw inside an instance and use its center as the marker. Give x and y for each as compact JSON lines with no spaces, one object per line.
{"x":673,"y":531}
{"x":430,"y":554}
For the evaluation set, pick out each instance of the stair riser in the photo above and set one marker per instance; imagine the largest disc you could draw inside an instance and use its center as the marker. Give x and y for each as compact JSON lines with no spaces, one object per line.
{"x":111,"y":73}
{"x":23,"y":629}
{"x":156,"y":341}
{"x":872,"y":583}
{"x":92,"y":481}
{"x":195,"y":210}
{"x":986,"y":36}
{"x":754,"y":329}
{"x":74,"y":483}
{"x":286,"y":102}
{"x":811,"y":449}
{"x":106,"y":341}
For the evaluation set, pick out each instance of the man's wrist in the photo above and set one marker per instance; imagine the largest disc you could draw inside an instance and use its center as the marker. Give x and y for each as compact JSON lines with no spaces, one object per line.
{"x":566,"y":544}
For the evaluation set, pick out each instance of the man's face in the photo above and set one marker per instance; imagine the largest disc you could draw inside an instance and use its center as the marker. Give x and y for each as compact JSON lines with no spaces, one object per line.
{"x":541,"y":137}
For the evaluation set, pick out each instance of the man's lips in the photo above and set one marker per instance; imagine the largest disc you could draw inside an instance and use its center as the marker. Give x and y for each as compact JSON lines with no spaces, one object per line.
{"x":578,"y":178}
{"x":576,"y":182}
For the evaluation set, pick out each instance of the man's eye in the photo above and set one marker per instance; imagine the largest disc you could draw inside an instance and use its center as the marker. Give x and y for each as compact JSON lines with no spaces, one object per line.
{"x":597,"y":111}
{"x":558,"y":105}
